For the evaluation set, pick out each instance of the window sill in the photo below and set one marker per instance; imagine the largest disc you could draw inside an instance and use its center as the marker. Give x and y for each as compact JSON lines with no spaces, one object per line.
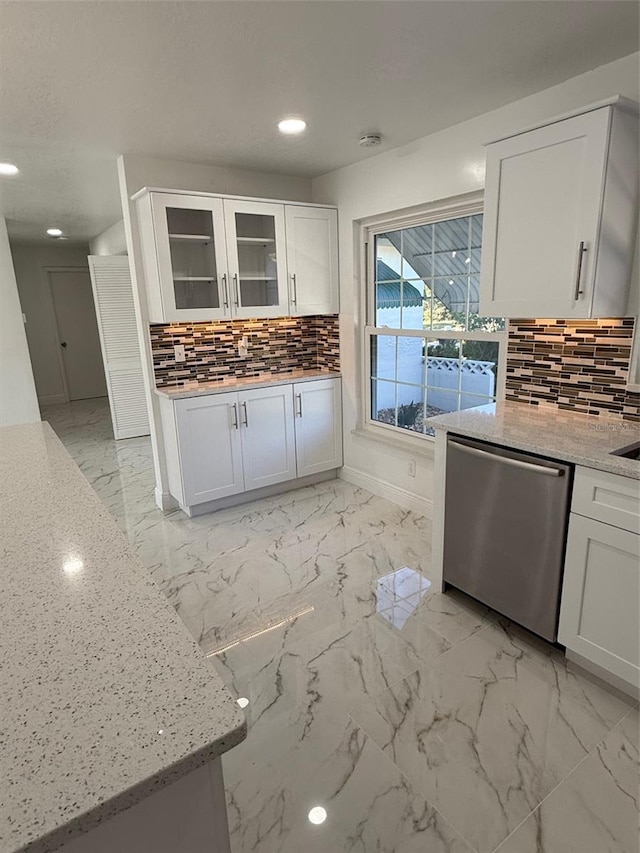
{"x":417,"y":444}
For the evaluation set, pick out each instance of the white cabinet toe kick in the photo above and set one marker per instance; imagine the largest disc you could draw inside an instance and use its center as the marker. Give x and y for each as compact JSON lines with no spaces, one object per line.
{"x":231,"y":447}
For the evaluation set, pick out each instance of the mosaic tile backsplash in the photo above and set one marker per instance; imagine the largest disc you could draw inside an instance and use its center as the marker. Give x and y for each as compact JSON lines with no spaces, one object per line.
{"x":275,"y":345}
{"x":580,"y":365}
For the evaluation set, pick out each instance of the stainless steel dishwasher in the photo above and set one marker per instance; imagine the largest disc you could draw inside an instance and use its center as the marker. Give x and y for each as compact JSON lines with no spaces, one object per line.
{"x":505,"y":529}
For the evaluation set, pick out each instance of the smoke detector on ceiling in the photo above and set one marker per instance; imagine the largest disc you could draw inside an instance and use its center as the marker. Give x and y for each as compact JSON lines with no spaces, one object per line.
{"x":370,"y":140}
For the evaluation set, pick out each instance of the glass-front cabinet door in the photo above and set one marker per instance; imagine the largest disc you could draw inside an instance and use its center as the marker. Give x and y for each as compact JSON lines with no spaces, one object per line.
{"x":192,"y":258}
{"x":257,"y":258}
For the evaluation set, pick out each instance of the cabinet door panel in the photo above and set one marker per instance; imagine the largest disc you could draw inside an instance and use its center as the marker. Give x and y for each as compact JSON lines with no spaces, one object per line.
{"x":210,"y":447}
{"x":256,"y":250}
{"x":191,"y":255}
{"x":312,"y":260}
{"x":268,"y":443}
{"x":599,"y":616}
{"x":543,"y":198}
{"x":318,"y":407}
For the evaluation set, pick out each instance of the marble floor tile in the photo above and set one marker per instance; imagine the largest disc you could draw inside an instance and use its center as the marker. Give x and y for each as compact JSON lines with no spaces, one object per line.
{"x":368,"y":805}
{"x":490,"y":728}
{"x":420,"y":721}
{"x":595,"y":810}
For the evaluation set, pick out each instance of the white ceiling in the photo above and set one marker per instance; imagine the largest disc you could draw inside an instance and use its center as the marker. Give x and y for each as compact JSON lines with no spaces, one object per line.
{"x":206,"y":81}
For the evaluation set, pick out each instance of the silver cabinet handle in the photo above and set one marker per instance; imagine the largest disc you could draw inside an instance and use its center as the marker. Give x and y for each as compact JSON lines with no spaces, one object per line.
{"x":236,"y":289}
{"x":299,"y":410}
{"x":581,"y":253}
{"x":225,"y":291}
{"x":234,"y":416}
{"x":294,"y":297}
{"x":244,"y":411}
{"x":506,"y":460}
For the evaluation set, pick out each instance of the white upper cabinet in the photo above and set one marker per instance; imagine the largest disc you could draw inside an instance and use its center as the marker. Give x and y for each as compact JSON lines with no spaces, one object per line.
{"x":213,"y":258}
{"x":312,"y":259}
{"x":186,"y":266}
{"x":561,"y":206}
{"x":257,"y":258}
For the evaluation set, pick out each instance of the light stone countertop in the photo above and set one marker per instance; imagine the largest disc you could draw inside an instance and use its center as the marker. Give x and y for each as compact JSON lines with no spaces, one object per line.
{"x":570,"y":436}
{"x":104,"y":696}
{"x":199,"y":389}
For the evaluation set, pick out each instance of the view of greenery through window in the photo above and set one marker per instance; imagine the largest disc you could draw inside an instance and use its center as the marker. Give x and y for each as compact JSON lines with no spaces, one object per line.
{"x":426,"y":278}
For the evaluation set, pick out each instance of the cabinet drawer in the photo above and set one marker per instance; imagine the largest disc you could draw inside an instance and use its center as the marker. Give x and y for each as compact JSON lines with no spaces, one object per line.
{"x":606,"y":497}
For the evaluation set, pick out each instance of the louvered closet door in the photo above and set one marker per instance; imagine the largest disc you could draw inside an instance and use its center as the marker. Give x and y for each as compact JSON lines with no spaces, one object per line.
{"x":113,"y":296}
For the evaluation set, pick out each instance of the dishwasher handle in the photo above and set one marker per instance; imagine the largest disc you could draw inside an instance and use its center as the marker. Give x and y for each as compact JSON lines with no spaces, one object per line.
{"x":506,"y":460}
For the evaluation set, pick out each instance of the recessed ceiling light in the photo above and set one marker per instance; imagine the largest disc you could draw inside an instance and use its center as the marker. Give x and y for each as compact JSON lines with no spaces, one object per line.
{"x":54,"y":232}
{"x":291,"y":125}
{"x":73,"y":565}
{"x":8,"y":169}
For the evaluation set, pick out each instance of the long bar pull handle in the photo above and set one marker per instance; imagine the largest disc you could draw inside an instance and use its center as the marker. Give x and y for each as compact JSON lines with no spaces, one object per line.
{"x":581,"y":254}
{"x":506,"y":460}
{"x":244,"y":411}
{"x":234,"y":416}
{"x":236,"y":289}
{"x":294,"y":297}
{"x":299,"y":410}
{"x":225,"y":291}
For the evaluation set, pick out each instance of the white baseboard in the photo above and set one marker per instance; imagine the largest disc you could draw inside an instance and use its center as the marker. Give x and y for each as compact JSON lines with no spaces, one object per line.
{"x":395,"y":494}
{"x":52,"y":400}
{"x":165,"y":501}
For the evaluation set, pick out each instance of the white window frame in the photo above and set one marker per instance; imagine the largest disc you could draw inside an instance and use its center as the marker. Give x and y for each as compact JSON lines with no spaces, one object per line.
{"x":451,"y":208}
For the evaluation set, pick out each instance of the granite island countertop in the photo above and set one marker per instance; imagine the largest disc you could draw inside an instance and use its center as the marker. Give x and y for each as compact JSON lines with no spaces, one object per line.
{"x":569,"y":436}
{"x":242,"y":383}
{"x":105,"y":697}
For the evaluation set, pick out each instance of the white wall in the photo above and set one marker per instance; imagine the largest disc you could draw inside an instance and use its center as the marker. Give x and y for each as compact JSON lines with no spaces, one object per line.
{"x":112,"y":241}
{"x":30,"y":261}
{"x":445,"y":164}
{"x":18,"y":403}
{"x":135,"y":172}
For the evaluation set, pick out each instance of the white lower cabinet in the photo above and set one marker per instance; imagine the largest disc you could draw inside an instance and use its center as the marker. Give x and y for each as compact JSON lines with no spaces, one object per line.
{"x":600,"y":612}
{"x":267,"y":431}
{"x":318,"y":407}
{"x":209,"y":448}
{"x":220,"y":445}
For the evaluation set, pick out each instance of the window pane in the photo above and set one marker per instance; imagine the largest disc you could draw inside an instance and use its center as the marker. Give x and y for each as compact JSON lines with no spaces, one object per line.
{"x":383,"y":401}
{"x":470,"y":401}
{"x":439,"y":400}
{"x":443,"y":348}
{"x":410,"y":413}
{"x":388,"y":258}
{"x":479,"y":368}
{"x":383,"y":356}
{"x":400,"y":304}
{"x":411,"y":361}
{"x":449,"y":305}
{"x":417,"y":252}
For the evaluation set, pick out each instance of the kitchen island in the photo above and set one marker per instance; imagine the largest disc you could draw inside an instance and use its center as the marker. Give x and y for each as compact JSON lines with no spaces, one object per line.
{"x":112,"y":721}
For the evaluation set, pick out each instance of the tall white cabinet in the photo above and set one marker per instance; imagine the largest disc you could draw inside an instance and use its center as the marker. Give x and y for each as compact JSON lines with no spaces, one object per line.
{"x":560,"y":216}
{"x":222,"y":444}
{"x":209,"y":257}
